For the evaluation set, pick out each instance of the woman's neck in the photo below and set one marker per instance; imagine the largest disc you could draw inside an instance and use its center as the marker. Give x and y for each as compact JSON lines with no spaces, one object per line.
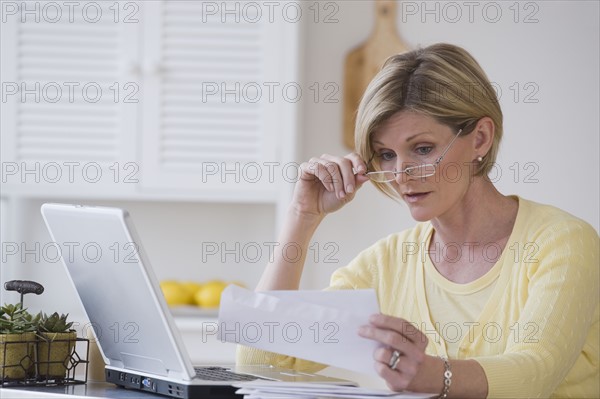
{"x":483,"y":215}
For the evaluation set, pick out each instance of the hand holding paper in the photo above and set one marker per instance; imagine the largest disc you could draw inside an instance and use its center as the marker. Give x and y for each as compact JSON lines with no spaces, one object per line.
{"x":320,"y":326}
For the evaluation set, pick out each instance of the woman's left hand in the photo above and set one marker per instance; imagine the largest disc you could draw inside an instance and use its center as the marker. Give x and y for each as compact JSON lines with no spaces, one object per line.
{"x":404,"y":338}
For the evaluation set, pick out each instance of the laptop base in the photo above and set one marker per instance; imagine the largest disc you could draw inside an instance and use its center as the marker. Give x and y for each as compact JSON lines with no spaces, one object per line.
{"x":142,"y":383}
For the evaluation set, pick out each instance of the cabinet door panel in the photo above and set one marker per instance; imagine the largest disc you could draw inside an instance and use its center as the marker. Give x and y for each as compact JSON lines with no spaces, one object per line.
{"x":212,"y":103}
{"x":71,"y":98}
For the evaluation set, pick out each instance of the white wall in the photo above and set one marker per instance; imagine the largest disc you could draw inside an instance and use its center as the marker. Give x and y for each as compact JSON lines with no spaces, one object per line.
{"x":560,"y":134}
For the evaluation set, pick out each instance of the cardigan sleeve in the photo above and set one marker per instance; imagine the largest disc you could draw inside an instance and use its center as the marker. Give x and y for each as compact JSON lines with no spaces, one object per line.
{"x":557,"y":319}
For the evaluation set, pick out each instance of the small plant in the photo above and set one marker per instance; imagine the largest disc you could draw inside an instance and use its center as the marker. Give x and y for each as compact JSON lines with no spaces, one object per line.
{"x":54,"y":323}
{"x":17,"y":339}
{"x":16,"y":320}
{"x":56,"y":342}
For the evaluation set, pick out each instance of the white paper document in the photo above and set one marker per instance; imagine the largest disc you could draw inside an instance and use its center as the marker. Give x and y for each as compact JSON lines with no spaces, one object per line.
{"x":321,"y":326}
{"x":295,"y":390}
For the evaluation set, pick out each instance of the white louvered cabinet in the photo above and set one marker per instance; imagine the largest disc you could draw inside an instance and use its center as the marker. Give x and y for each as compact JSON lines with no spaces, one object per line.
{"x":179,"y":117}
{"x":66,"y":126}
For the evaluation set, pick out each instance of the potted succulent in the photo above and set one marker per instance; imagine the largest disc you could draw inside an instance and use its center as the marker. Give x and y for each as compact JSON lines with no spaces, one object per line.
{"x":56,"y":342}
{"x":17,"y":340}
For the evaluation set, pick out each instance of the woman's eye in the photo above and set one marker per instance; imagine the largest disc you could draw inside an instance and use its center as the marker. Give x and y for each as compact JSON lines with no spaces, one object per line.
{"x":386,"y":156}
{"x":423,"y":150}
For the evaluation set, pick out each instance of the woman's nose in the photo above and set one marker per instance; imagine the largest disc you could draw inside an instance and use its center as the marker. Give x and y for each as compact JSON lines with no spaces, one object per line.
{"x":401,"y":175}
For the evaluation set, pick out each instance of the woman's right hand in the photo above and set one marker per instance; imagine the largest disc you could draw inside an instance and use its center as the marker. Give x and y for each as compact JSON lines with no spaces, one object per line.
{"x":327,"y":183}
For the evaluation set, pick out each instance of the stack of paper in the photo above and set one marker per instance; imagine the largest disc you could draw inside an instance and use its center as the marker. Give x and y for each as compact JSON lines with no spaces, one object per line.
{"x":295,"y":390}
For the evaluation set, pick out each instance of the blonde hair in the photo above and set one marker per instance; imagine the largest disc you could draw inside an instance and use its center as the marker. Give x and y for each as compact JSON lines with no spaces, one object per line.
{"x":441,"y":81}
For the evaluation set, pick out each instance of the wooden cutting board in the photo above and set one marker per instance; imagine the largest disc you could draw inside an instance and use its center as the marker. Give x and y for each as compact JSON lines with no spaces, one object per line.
{"x":363,"y":63}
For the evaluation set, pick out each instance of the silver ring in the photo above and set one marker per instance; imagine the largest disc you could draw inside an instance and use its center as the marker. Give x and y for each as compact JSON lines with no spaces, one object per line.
{"x":394,"y":360}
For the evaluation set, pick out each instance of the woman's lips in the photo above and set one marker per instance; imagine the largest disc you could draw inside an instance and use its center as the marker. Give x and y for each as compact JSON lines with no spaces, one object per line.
{"x":415,"y":197}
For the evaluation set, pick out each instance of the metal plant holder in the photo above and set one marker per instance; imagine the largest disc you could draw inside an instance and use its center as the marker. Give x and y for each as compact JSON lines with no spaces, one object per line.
{"x":26,"y":359}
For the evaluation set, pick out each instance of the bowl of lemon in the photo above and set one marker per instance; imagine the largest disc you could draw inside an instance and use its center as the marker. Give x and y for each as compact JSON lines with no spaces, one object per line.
{"x":188,"y":298}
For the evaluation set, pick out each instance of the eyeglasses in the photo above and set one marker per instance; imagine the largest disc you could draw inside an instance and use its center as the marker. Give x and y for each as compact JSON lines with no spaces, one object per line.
{"x":420,"y":171}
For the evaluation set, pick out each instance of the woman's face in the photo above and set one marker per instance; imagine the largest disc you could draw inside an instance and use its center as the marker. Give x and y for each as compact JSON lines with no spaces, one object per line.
{"x":409,"y":139}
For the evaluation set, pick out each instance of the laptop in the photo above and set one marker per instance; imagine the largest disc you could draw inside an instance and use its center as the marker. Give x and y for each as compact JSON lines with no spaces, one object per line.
{"x":136,"y":334}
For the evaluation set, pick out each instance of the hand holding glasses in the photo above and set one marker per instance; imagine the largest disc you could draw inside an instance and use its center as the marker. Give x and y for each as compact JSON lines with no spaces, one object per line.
{"x":328,"y":182}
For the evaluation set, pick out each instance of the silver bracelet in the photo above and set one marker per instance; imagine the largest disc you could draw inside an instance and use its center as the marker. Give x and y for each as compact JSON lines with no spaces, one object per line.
{"x":447,"y":378}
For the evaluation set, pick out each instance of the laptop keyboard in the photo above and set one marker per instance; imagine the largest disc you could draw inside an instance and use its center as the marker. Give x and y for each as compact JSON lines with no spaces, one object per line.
{"x":222,"y":374}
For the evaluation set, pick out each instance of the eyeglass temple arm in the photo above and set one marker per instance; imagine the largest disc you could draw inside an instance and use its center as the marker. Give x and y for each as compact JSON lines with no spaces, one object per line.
{"x":368,"y":163}
{"x":448,"y":148}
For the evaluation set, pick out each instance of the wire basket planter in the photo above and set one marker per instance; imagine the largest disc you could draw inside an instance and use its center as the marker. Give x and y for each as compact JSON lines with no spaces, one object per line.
{"x":43,"y":361}
{"x":40,"y":350}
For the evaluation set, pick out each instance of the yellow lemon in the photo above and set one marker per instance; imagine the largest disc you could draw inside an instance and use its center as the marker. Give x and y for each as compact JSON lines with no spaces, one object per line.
{"x":175,"y":293}
{"x":192,"y":287}
{"x":209,"y":295}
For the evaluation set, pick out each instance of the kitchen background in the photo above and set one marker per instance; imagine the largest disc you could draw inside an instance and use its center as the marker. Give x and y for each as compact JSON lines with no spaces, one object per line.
{"x":168,"y":146}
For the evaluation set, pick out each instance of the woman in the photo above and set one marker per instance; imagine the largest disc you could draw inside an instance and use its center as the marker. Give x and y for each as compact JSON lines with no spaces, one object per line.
{"x":488,"y":295}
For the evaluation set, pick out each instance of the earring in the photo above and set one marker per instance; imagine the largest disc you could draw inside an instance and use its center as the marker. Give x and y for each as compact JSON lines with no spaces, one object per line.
{"x":479,"y":158}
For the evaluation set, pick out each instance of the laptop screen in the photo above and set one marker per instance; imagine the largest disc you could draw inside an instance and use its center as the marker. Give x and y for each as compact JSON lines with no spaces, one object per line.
{"x":118,"y":289}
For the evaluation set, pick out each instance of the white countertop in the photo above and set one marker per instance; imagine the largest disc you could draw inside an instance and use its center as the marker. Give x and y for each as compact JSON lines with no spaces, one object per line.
{"x":84,"y":391}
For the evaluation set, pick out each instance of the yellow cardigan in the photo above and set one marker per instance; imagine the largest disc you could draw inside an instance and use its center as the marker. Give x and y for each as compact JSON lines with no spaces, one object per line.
{"x":538,"y":334}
